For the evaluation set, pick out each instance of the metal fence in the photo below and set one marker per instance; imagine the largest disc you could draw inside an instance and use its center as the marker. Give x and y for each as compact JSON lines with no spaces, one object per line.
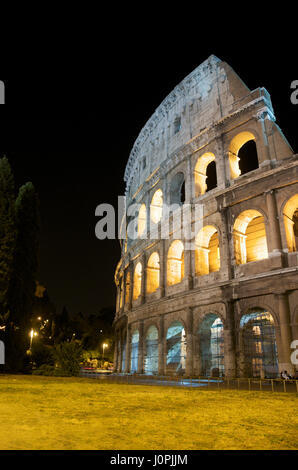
{"x":206,"y":383}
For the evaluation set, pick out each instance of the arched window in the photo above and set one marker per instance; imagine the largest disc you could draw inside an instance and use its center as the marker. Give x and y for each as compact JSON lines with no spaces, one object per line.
{"x":134,"y":351}
{"x":156,"y":206}
{"x":243,"y":155}
{"x":290,"y":213}
{"x":211,"y":346}
{"x":259,"y":344}
{"x":249,"y":233}
{"x":176,"y":349}
{"x":142,"y":220}
{"x":205,"y":174}
{"x":153,"y":273}
{"x":137,"y":281}
{"x":175,"y":268}
{"x":207,"y":251}
{"x":151,"y":351}
{"x":177,"y":189}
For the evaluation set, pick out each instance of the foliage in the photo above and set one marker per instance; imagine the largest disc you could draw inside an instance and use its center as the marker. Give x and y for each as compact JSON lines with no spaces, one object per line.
{"x":68,"y":356}
{"x":8,"y":232}
{"x":42,"y":354}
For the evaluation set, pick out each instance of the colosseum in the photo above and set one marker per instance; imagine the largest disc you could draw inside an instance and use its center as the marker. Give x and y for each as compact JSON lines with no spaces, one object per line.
{"x":209,"y":285}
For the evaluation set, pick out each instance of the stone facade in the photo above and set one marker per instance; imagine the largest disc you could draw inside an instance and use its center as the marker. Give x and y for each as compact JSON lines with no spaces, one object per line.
{"x":237,"y":281}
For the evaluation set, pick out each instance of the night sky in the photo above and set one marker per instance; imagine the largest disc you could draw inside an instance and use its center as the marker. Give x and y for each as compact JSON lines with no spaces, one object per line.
{"x":69,"y":125}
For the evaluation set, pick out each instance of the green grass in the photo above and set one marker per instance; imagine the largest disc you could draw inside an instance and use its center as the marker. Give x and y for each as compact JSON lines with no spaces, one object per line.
{"x":76,"y":413}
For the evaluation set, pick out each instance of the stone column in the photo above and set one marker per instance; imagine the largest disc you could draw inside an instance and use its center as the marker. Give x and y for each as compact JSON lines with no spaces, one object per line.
{"x":163,"y":268}
{"x":144,"y":279}
{"x":189,"y":343}
{"x":161,"y":347}
{"x":115,"y":365}
{"x":131,"y":270}
{"x":127,"y":352}
{"x":285,"y":333}
{"x":273,"y":220}
{"x":141,"y":348}
{"x":120,"y":352}
{"x":224,"y":244}
{"x":188,"y":253}
{"x":229,"y":341}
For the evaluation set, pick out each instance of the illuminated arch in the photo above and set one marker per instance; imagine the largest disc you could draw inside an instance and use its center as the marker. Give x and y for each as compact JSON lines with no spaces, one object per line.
{"x":134,"y":357}
{"x":121,"y":291}
{"x":151,"y":351}
{"x":236,"y":144}
{"x":142,"y":220}
{"x":211,"y":345}
{"x":290,"y":214}
{"x":156,"y":206}
{"x":259,"y":344}
{"x":249,"y":233}
{"x":207,"y":255}
{"x":153,"y":273}
{"x":137,"y":281}
{"x":176,"y":348}
{"x":201,"y":180}
{"x":175,"y":263}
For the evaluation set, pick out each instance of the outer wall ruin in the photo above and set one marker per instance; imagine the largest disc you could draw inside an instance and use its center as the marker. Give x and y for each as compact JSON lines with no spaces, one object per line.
{"x":227,"y":304}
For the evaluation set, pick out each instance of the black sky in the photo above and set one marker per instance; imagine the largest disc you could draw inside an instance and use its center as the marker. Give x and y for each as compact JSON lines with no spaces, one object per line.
{"x":69,"y":125}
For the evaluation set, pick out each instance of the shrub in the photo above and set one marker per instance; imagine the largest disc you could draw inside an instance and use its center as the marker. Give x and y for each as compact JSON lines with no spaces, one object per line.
{"x":68,"y":357}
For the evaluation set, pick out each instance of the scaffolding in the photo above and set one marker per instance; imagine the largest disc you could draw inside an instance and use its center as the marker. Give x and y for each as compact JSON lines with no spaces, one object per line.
{"x":211,"y":345}
{"x":259,"y":345}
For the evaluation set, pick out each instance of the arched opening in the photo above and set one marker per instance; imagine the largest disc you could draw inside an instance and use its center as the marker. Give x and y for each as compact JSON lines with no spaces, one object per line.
{"x":137,"y":281}
{"x":175,"y":263}
{"x":176,"y":349}
{"x":156,"y":206}
{"x":177,"y":189}
{"x":249,"y":233}
{"x":259,"y":344}
{"x":205,"y":174}
{"x":211,"y":346}
{"x":207,"y":255}
{"x":248,"y":157}
{"x":290,"y":213}
{"x":151,"y":351}
{"x":127,"y":287}
{"x":211,"y":177}
{"x":243,"y":156}
{"x":142,"y":220}
{"x":134,"y":351}
{"x":153,"y":273}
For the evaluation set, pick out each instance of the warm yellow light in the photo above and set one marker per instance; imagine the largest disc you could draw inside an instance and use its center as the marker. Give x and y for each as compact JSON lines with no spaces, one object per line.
{"x":156,"y":206}
{"x":142,"y":220}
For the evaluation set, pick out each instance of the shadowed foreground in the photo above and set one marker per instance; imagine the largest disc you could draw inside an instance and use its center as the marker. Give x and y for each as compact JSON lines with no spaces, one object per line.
{"x":77,"y":413}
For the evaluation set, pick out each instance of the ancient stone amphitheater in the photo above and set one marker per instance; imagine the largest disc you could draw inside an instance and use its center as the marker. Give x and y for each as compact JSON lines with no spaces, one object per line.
{"x":209,"y":286}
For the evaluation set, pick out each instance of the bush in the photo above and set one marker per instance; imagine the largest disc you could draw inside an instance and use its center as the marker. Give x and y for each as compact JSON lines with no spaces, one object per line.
{"x":42,"y":354}
{"x":68,"y":356}
{"x":48,"y":370}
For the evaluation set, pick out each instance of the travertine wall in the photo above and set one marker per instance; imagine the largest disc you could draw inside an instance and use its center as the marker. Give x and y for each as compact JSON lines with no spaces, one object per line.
{"x":205,"y":115}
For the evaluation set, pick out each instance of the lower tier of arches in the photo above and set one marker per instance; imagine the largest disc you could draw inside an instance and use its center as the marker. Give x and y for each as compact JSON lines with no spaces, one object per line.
{"x":213,"y":345}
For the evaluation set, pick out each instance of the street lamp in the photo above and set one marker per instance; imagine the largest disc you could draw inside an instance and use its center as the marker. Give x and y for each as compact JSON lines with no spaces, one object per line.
{"x":103,"y":349}
{"x":32,"y":334}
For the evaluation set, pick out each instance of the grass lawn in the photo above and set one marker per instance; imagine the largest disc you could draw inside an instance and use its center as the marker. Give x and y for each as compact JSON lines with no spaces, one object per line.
{"x":76,"y":413}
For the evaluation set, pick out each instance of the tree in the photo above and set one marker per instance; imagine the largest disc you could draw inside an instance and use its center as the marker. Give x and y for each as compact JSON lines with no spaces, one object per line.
{"x":25,"y":265}
{"x":8,"y":234}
